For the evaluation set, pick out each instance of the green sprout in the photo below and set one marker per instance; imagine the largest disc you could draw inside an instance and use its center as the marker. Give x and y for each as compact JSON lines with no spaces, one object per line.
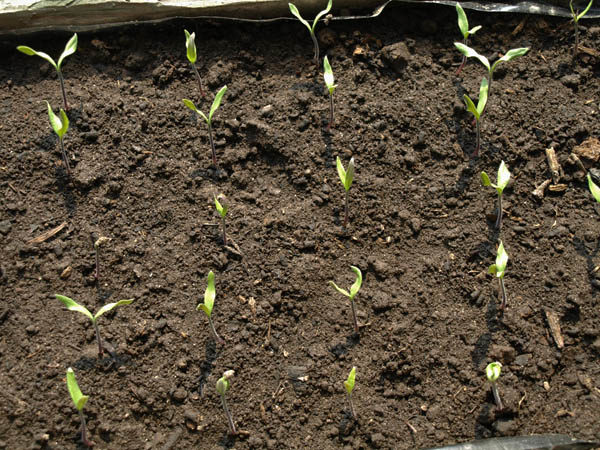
{"x":74,"y":306}
{"x":477,"y":111}
{"x":509,"y":56}
{"x":190,"y":45}
{"x":498,"y":269}
{"x":576,"y":16}
{"x":353,"y":291}
{"x":346,"y":176}
{"x":79,"y":400}
{"x":311,"y":29}
{"x":70,"y":48}
{"x":222,"y":208}
{"x":492,"y":372}
{"x":208,"y":120}
{"x":463,"y":25}
{"x":328,"y":75}
{"x":60,"y":125}
{"x":594,"y":189}
{"x":207,"y":306}
{"x":502,"y":181}
{"x":222,"y":388}
{"x":349,"y":385}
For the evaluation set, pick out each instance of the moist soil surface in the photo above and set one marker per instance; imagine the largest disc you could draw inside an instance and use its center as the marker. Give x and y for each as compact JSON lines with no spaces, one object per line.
{"x":421,"y":229}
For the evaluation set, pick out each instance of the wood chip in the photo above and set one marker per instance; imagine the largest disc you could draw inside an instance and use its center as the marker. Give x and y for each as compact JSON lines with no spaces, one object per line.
{"x":555,"y":168}
{"x":554,"y":325}
{"x":47,"y":235}
{"x":539,"y":191}
{"x":589,"y":51}
{"x":588,"y":149}
{"x":66,"y":273}
{"x":557,"y":187}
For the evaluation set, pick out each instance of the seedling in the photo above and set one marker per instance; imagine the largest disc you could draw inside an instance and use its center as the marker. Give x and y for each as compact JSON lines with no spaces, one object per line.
{"x":576,"y":16}
{"x":311,"y":29}
{"x":353,"y":291}
{"x":74,"y":306}
{"x":502,"y":181}
{"x":208,"y":120}
{"x":463,"y":25}
{"x":349,"y":385}
{"x":222,"y":388}
{"x":79,"y":400}
{"x":97,"y":243}
{"x":221,"y":205}
{"x":190,"y":45}
{"x":492,"y":372}
{"x":477,"y":111}
{"x":207,"y":306}
{"x":346,"y":176}
{"x":60,"y":125}
{"x":499,"y":269}
{"x":70,"y":48}
{"x":328,"y":75}
{"x":509,"y":56}
{"x":594,"y":189}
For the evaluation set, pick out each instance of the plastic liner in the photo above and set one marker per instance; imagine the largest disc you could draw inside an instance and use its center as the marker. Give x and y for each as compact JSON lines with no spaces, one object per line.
{"x":27,"y":16}
{"x":539,"y":442}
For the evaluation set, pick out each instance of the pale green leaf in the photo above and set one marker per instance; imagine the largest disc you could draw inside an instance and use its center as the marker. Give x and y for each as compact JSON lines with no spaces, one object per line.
{"x":216,"y":102}
{"x":29,"y":51}
{"x":341,"y":171}
{"x":483,"y":96}
{"x":349,"y":383}
{"x":321,"y":14}
{"x":190,"y":104}
{"x":475,"y":29}
{"x":584,"y":12}
{"x":471,"y":106}
{"x":79,"y":400}
{"x":510,"y":55}
{"x":485,"y":179}
{"x":339,"y":289}
{"x":65,"y":123}
{"x":70,"y":48}
{"x":349,"y":175}
{"x":209,"y":295}
{"x":110,"y":306}
{"x":492,"y":371}
{"x":190,"y":45}
{"x":503,"y":177}
{"x":55,"y":121}
{"x":501,"y":260}
{"x":221,"y":208}
{"x":470,"y":53}
{"x":463,"y":23}
{"x":72,"y":305}
{"x":222,"y":385}
{"x":594,"y":189}
{"x":296,"y":13}
{"x":328,"y":75}
{"x":493,"y":270}
{"x":357,"y":284}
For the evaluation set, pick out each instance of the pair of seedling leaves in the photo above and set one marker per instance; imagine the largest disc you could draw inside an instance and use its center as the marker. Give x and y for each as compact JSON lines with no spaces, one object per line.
{"x":311,"y":28}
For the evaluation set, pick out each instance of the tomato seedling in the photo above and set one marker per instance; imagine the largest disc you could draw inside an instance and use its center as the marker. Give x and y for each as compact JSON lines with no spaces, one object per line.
{"x":463,"y":26}
{"x":79,"y":400}
{"x":576,"y":16}
{"x":70,"y":48}
{"x":60,"y":125}
{"x":477,"y":111}
{"x":74,"y":306}
{"x":498,"y":269}
{"x":594,"y":189}
{"x":329,"y":82}
{"x":207,"y":306}
{"x":502,"y":181}
{"x":216,"y":102}
{"x":346,"y":177}
{"x":190,"y":46}
{"x":349,"y":385}
{"x":222,"y":388}
{"x":222,"y":208}
{"x":492,"y":372}
{"x":311,"y":29}
{"x":353,"y":291}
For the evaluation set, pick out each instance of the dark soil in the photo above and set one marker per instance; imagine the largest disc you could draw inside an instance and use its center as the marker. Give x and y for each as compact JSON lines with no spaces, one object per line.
{"x":421,"y":229}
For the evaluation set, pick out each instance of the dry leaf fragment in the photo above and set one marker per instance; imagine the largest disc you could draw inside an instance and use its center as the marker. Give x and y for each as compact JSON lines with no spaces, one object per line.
{"x":554,"y":324}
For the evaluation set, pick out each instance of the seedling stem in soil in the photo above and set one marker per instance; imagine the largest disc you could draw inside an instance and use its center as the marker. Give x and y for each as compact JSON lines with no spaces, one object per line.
{"x":349,"y":385}
{"x":222,"y":388}
{"x":463,"y":25}
{"x":498,"y":269}
{"x":70,"y":48}
{"x":79,"y":400}
{"x":207,"y":306}
{"x":60,"y":125}
{"x":492,"y":372}
{"x":190,"y":45}
{"x":346,"y":177}
{"x":477,"y":111}
{"x":329,"y":82}
{"x":216,"y":102}
{"x":502,"y":181}
{"x":353,"y":291}
{"x":221,"y":205}
{"x":576,"y":16}
{"x":311,"y":29}
{"x":74,"y":306}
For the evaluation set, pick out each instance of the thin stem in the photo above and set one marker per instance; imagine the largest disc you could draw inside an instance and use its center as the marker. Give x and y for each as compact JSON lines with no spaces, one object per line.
{"x":316,"y":44}
{"x":84,"y":438}
{"x":356,"y":330}
{"x":62,"y":88}
{"x":224,"y":233}
{"x":232,"y":429}
{"x":502,"y":294}
{"x":218,"y":338}
{"x":64,"y":156}
{"x":331,"y":107}
{"x":464,"y":60}
{"x":575,"y":50}
{"x":477,"y":137}
{"x":199,"y":79}
{"x":499,"y":215}
{"x":497,"y":396}
{"x":346,"y":210}
{"x":212,"y":144}
{"x":352,"y":410}
{"x":100,"y":347}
